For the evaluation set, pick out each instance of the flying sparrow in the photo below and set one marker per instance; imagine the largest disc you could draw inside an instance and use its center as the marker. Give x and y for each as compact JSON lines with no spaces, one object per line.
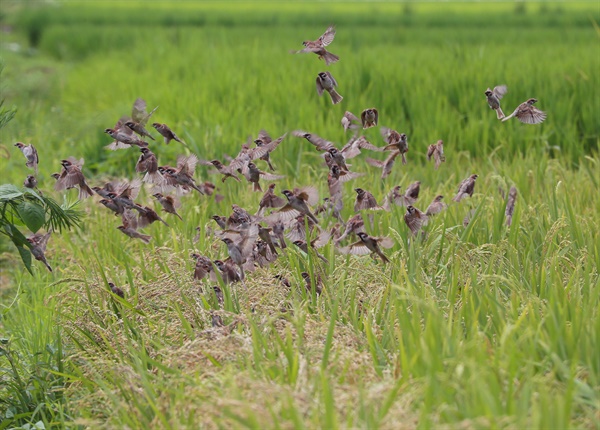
{"x":297,"y":204}
{"x":326,"y":82}
{"x":264,"y":139}
{"x":395,"y":142}
{"x":130,"y":227}
{"x":318,"y":142}
{"x":318,"y":46}
{"x":354,"y":225}
{"x":350,"y":121}
{"x":72,"y":176}
{"x":253,"y":175}
{"x":385,"y":165}
{"x":123,"y":136}
{"x":30,"y":182}
{"x":493,"y":98}
{"x":368,"y":244}
{"x":436,"y":206}
{"x":510,"y":205}
{"x":270,"y":200}
{"x":140,"y":118}
{"x":30,"y":154}
{"x":148,"y":164}
{"x":228,"y":271}
{"x":414,"y":219}
{"x":436,"y":150}
{"x":304,"y":247}
{"x":369,"y":118}
{"x":364,"y":200}
{"x":355,"y":144}
{"x":222,"y":169}
{"x":527,"y":113}
{"x":169,"y":204}
{"x":166,"y":133}
{"x":465,"y":189}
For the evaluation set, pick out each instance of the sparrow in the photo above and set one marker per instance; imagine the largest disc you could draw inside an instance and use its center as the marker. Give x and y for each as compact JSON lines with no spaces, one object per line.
{"x":493,"y":98}
{"x":465,"y":189}
{"x":203,"y":266}
{"x":436,"y":206}
{"x":365,"y":200}
{"x":278,"y":231}
{"x":350,"y":121}
{"x":468,"y":216}
{"x":304,"y":247}
{"x":368,"y":244}
{"x":527,"y":113}
{"x":147,"y":216}
{"x":124,"y":194}
{"x":298,"y":226}
{"x":71,"y":176}
{"x":222,"y":169}
{"x":184,"y":172}
{"x":318,"y":46}
{"x":123,"y":136}
{"x":436,"y":150}
{"x":510,"y":205}
{"x":385,"y":165}
{"x":355,"y":144}
{"x":147,"y":163}
{"x":30,"y":182}
{"x":354,"y":225}
{"x":228,"y":272}
{"x":169,"y":204}
{"x":240,"y":249}
{"x":30,"y":154}
{"x":308,"y":283}
{"x":395,"y":142}
{"x":265,"y":234}
{"x":331,"y":207}
{"x":270,"y":200}
{"x":297,"y":204}
{"x":140,"y":117}
{"x":166,"y":133}
{"x":116,"y":290}
{"x":369,"y":118}
{"x":130,"y":227}
{"x":248,"y":154}
{"x":317,"y":141}
{"x":283,"y":280}
{"x":264,"y":139}
{"x":338,"y":158}
{"x":414,"y":219}
{"x":220,"y":220}
{"x":326,"y":82}
{"x":412,"y":192}
{"x":117,"y":209}
{"x":38,"y":244}
{"x":253,"y":175}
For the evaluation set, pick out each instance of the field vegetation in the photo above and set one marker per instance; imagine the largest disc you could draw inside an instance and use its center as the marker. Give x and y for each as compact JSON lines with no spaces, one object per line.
{"x":477,"y":326}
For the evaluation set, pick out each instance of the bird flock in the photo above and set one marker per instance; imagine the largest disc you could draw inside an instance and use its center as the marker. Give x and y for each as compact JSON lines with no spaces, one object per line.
{"x":257,"y":237}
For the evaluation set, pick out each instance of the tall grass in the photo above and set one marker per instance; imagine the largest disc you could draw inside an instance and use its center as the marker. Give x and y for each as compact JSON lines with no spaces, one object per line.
{"x":478,"y":326}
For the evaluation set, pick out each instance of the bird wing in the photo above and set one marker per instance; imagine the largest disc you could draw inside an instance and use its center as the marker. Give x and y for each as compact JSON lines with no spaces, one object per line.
{"x":320,"y":88}
{"x":328,"y":36}
{"x":499,"y":91}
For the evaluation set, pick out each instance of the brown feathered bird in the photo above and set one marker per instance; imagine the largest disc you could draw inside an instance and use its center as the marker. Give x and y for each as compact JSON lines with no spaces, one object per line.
{"x":139,"y":118}
{"x":72,"y":176}
{"x":38,"y":243}
{"x":385,"y":165}
{"x":493,"y":98}
{"x":395,"y":142}
{"x":510,"y":205}
{"x":365,"y":200}
{"x":436,"y":206}
{"x":527,"y":113}
{"x":166,"y":133}
{"x":367,"y":245}
{"x":369,"y":117}
{"x":436,"y":151}
{"x":414,"y":219}
{"x":318,"y":46}
{"x":326,"y":82}
{"x":465,"y":189}
{"x":30,"y":154}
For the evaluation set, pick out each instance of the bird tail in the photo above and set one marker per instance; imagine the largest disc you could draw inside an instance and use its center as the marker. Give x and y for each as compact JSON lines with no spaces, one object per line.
{"x":330,"y":58}
{"x":257,"y":186}
{"x":178,"y":216}
{"x":499,"y":113}
{"x":85,"y":191}
{"x":145,"y":237}
{"x":335,"y":97}
{"x":270,"y":165}
{"x":403,"y":159}
{"x":153,"y":178}
{"x":383,"y":257}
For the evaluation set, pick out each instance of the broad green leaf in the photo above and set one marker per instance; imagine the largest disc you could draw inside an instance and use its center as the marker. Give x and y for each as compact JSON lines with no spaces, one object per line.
{"x":25,"y":256}
{"x":32,"y":215}
{"x":9,"y":192}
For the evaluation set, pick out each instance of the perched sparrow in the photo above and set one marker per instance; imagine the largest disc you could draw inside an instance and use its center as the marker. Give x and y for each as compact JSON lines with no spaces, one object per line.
{"x":30,"y":154}
{"x":147,"y":163}
{"x":297,"y":204}
{"x":385,"y":165}
{"x":169,"y":204}
{"x":308,"y":283}
{"x":527,"y":113}
{"x":368,"y":244}
{"x":130,"y":226}
{"x":465,"y":189}
{"x":116,"y":290}
{"x":395,"y":142}
{"x":30,"y":182}
{"x":318,"y":46}
{"x":123,"y":136}
{"x":436,"y":206}
{"x":355,"y":144}
{"x":510,"y":205}
{"x":253,"y":175}
{"x":414,"y":219}
{"x":284,"y":281}
{"x":72,"y":176}
{"x":140,"y":118}
{"x":326,"y":82}
{"x":493,"y":99}
{"x":264,"y":139}
{"x":436,"y":150}
{"x":166,"y":133}
{"x":38,"y":244}
{"x":318,"y":142}
{"x":350,"y":121}
{"x":270,"y":200}
{"x":365,"y":200}
{"x":353,"y":226}
{"x":203,"y":266}
{"x":369,"y":118}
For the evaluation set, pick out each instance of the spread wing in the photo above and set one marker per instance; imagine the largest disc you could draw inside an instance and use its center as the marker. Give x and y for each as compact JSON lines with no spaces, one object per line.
{"x":328,"y":36}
